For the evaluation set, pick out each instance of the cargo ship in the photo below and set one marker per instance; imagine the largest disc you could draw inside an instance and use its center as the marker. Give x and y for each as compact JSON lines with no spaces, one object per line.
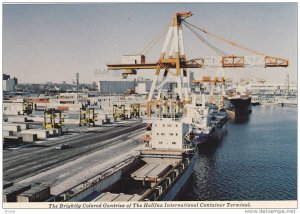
{"x":208,"y":124}
{"x":158,"y":173}
{"x":164,"y":167}
{"x":238,"y":108}
{"x":238,"y":104}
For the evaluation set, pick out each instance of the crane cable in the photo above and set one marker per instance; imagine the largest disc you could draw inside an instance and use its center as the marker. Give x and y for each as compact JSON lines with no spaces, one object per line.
{"x":225,"y":40}
{"x":155,"y":40}
{"x":214,"y":48}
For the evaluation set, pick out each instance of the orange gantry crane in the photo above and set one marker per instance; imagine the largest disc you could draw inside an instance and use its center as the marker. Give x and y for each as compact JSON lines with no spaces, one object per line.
{"x":176,"y":59}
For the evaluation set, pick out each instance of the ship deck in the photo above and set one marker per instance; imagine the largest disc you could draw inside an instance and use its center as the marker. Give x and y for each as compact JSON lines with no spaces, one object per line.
{"x":141,"y":178}
{"x":151,"y":171}
{"x":109,"y":197}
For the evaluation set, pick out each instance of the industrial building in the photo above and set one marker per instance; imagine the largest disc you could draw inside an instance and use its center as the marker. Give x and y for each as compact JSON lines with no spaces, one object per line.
{"x":124,"y":86}
{"x":8,"y":84}
{"x":116,"y":87}
{"x":272,"y":89}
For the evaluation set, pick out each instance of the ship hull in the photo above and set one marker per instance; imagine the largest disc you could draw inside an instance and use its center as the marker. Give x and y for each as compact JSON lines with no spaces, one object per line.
{"x":182,"y":180}
{"x":129,"y":183}
{"x":212,"y":138}
{"x":238,"y":108}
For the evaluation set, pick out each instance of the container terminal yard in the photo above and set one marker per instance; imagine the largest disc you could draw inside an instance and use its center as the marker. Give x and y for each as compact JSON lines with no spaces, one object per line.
{"x":26,"y":141}
{"x":131,"y":140}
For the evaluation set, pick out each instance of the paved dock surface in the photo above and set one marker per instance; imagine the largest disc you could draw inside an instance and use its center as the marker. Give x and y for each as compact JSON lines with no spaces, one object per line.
{"x":26,"y":162}
{"x":67,"y":175}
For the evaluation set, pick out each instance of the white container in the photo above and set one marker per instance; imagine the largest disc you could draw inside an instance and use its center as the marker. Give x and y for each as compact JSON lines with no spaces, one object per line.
{"x":141,"y":88}
{"x":23,"y":126}
{"x":52,"y":132}
{"x":29,"y":137}
{"x":20,"y":118}
{"x":6,"y":133}
{"x":14,"y":128}
{"x":99,"y":122}
{"x":133,"y":59}
{"x":71,"y":121}
{"x":41,"y":133}
{"x":59,"y":131}
{"x":102,"y":116}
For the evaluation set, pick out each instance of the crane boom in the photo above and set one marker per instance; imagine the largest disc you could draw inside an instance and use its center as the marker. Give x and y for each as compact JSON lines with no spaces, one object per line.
{"x":131,"y":66}
{"x":225,"y":62}
{"x":238,"y":62}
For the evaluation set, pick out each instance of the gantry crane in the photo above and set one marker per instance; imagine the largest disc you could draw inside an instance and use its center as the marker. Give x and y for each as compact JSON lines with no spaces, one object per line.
{"x":53,"y":119}
{"x":218,"y":99}
{"x":87,"y":116}
{"x":176,"y":59}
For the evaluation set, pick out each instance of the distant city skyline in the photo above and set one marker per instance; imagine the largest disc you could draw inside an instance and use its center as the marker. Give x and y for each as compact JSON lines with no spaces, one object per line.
{"x":53,"y":42}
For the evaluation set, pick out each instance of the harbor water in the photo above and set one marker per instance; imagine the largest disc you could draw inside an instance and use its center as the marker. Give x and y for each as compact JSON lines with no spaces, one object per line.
{"x":256,"y":160}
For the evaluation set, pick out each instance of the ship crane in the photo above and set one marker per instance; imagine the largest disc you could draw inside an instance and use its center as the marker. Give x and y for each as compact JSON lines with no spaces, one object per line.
{"x":175,"y":58}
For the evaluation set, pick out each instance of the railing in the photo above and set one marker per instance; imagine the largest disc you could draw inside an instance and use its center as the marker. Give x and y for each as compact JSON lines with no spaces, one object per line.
{"x":173,"y":115}
{"x":189,"y":146}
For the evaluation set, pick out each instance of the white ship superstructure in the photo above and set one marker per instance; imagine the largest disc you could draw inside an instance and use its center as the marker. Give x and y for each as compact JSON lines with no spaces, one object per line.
{"x":208,"y":125}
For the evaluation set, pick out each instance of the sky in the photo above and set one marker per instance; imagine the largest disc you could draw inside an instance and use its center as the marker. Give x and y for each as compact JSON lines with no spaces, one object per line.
{"x":53,"y":42}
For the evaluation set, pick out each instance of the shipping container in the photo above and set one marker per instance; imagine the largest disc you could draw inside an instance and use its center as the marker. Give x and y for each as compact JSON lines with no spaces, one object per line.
{"x":35,"y":194}
{"x":66,"y":101}
{"x":10,"y":193}
{"x":13,"y":139}
{"x":63,"y":108}
{"x":133,"y":59}
{"x":29,"y":138}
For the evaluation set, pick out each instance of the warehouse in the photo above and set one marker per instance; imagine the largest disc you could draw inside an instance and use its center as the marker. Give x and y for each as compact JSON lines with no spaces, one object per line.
{"x":116,"y":87}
